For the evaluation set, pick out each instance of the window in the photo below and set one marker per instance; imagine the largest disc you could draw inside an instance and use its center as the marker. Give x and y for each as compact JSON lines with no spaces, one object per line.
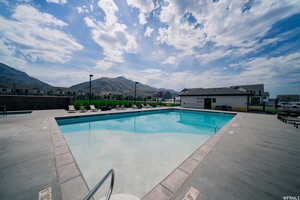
{"x":214,"y":100}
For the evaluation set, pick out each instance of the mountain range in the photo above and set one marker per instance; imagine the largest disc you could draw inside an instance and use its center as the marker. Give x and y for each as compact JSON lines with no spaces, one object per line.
{"x":119,"y":85}
{"x":10,"y":76}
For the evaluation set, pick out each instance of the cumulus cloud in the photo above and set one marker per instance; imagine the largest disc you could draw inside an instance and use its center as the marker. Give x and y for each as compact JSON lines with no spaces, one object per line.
{"x":57,"y":1}
{"x":273,"y":71}
{"x":104,"y":65}
{"x":148,"y":31}
{"x":170,"y":60}
{"x":191,"y":24}
{"x":37,"y":35}
{"x":111,"y":35}
{"x":145,"y":7}
{"x":30,"y":15}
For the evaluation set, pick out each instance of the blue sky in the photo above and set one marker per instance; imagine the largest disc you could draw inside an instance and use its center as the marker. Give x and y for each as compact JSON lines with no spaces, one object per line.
{"x":164,"y":43}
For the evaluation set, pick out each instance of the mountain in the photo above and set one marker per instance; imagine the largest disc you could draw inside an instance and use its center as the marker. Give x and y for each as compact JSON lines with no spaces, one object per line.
{"x":121,"y":85}
{"x":10,"y":76}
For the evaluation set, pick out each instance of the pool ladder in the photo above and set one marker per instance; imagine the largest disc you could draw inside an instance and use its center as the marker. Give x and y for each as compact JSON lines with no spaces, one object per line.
{"x":111,"y":174}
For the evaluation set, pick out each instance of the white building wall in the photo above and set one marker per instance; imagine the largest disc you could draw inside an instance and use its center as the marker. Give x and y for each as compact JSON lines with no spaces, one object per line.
{"x":192,"y":101}
{"x":233,"y":101}
{"x":236,"y":102}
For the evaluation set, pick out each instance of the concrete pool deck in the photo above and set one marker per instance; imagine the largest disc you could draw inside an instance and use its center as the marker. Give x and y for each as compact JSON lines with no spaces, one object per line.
{"x":253,"y":157}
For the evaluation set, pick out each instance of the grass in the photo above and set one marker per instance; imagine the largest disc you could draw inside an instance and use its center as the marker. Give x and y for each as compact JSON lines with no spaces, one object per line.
{"x":114,"y":103}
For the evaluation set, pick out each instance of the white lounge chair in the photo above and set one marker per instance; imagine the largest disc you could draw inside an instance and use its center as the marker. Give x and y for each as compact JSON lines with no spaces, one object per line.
{"x":122,"y":107}
{"x":72,"y":109}
{"x":93,"y":109}
{"x":134,"y":106}
{"x":148,"y":106}
{"x":118,"y":107}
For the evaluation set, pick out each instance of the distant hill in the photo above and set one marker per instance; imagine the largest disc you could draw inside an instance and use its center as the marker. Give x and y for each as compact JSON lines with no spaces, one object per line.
{"x":121,"y":85}
{"x":10,"y":76}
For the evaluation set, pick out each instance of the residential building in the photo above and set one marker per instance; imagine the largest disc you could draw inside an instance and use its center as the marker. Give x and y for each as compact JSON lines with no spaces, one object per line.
{"x":258,"y":95}
{"x":210,"y":98}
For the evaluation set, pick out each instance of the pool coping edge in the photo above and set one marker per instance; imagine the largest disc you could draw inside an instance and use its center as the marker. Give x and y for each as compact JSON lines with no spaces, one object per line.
{"x":166,"y":191}
{"x":73,"y":184}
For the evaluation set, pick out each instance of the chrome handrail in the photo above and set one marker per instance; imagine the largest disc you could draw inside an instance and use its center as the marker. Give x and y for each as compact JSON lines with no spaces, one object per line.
{"x":97,"y":186}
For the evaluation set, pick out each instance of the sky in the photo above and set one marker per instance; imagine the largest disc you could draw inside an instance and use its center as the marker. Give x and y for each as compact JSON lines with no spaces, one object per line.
{"x":171,"y":44}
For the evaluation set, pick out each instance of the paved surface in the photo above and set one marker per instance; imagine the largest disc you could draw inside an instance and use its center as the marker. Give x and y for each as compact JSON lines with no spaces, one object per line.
{"x":257,"y":158}
{"x":26,"y":162}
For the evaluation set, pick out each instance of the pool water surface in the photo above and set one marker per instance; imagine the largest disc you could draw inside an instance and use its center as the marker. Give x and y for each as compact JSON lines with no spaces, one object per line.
{"x":142,"y":148}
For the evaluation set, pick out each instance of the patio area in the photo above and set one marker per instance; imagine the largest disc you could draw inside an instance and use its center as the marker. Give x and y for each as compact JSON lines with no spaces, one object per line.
{"x":256,"y":157}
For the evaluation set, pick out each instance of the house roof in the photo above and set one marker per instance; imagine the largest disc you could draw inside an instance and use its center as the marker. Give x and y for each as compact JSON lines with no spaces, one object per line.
{"x":224,"y":91}
{"x":249,"y":87}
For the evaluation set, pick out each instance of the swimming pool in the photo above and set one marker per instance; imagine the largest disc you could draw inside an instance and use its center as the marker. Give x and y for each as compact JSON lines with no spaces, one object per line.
{"x":142,"y":147}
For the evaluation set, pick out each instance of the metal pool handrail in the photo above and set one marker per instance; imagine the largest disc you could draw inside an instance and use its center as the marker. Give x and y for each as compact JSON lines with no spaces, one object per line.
{"x":4,"y":112}
{"x":97,"y":186}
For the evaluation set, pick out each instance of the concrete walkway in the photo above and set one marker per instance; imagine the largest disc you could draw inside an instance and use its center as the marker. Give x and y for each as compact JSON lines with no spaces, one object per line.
{"x":258,"y":157}
{"x":26,"y":160}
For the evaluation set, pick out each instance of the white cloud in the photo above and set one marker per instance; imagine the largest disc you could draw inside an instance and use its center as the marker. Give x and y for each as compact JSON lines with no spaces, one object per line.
{"x":182,"y":35}
{"x":6,"y":49}
{"x":57,"y":1}
{"x":148,"y":31}
{"x":111,"y":35}
{"x":38,"y":35}
{"x":11,"y":60}
{"x":274,"y":72}
{"x":145,"y":7}
{"x":104,"y":65}
{"x":170,"y":60}
{"x":30,"y":15}
{"x":110,"y":9}
{"x":222,"y":22}
{"x":216,"y":54}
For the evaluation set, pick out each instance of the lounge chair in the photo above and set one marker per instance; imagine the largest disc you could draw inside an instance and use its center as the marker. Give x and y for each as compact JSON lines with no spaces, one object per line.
{"x":290,"y":120}
{"x":118,"y":107}
{"x":93,"y":109}
{"x":104,"y":108}
{"x":72,"y":109}
{"x":134,"y":106}
{"x":122,"y":107}
{"x":82,"y":109}
{"x":147,"y":106}
{"x":140,"y":106}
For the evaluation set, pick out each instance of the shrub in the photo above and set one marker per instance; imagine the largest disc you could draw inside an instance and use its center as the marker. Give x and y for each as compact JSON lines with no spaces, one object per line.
{"x":114,"y":103}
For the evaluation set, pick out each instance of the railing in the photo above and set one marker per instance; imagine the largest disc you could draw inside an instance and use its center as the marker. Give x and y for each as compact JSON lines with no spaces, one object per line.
{"x":216,"y":128}
{"x":97,"y":186}
{"x":4,"y":112}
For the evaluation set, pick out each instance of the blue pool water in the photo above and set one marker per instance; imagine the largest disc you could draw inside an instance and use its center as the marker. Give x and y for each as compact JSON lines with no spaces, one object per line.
{"x":141,"y":147}
{"x":151,"y":122}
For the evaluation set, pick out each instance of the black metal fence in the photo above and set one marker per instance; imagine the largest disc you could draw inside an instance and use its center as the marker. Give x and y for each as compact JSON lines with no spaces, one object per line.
{"x":22,"y":102}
